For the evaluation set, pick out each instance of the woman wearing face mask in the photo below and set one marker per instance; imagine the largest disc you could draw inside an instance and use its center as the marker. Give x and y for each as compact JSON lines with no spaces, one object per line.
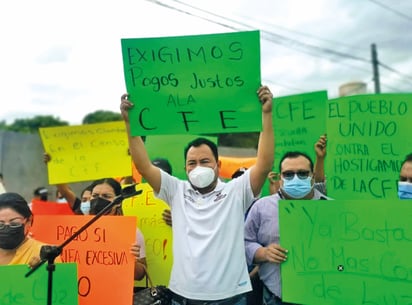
{"x":16,"y":246}
{"x":103,"y":193}
{"x":405,"y":179}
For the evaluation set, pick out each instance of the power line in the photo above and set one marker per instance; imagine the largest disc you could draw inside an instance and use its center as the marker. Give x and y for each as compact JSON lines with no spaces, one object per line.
{"x":395,"y":71}
{"x":190,"y":14}
{"x":312,"y":50}
{"x":277,"y":38}
{"x":305,"y":35}
{"x":392,"y":10}
{"x":270,"y":36}
{"x":390,"y":87}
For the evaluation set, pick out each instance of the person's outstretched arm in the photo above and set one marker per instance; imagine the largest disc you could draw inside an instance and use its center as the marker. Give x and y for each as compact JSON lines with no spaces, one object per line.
{"x":265,"y":150}
{"x":138,"y":151}
{"x":63,"y":188}
{"x":320,"y":150}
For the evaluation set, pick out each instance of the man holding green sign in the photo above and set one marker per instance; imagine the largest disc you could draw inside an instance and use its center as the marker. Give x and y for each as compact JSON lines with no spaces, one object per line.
{"x":208,"y":215}
{"x":262,"y":240}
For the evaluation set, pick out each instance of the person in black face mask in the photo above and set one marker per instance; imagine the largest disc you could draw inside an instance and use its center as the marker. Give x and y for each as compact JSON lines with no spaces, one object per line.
{"x":16,"y":218}
{"x":103,"y":193}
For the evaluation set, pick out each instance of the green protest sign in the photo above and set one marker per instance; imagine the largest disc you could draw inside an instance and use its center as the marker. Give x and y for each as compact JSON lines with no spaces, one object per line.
{"x":368,"y":137}
{"x":16,"y":288}
{"x":298,"y":122}
{"x":340,"y":253}
{"x":193,"y":84}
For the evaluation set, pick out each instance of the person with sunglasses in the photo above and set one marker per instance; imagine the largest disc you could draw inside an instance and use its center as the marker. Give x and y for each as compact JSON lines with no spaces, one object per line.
{"x":319,"y":177}
{"x":405,"y":179}
{"x":16,"y":245}
{"x":262,"y":223}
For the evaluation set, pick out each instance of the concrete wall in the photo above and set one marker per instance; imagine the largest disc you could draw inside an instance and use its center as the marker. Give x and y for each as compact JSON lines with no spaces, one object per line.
{"x":21,"y":163}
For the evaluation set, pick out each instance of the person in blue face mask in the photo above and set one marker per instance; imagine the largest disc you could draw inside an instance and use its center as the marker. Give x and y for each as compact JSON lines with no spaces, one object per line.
{"x":405,"y":179}
{"x":262,"y":225}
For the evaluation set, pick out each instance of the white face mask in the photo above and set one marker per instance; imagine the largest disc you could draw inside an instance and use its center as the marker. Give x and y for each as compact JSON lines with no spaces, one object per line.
{"x":201,"y":176}
{"x":85,"y":207}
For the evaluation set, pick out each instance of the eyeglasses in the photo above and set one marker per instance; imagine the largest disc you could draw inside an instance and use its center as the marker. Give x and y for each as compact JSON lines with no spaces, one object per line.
{"x":13,"y":224}
{"x":289,"y":175}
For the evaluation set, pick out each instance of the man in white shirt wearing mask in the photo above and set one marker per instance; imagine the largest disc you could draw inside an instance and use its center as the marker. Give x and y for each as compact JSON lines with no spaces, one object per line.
{"x":209,"y":265}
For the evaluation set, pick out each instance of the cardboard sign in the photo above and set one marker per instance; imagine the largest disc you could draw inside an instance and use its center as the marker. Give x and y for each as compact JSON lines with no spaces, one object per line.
{"x":102,"y":252}
{"x":157,"y":234}
{"x":229,"y":165}
{"x":298,"y":122}
{"x":193,"y":84}
{"x":16,"y":288}
{"x":342,"y":253}
{"x":40,"y":207}
{"x":81,"y":153}
{"x":368,"y":138}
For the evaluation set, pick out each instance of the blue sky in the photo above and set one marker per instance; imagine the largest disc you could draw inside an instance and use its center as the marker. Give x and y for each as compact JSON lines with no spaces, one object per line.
{"x":63,"y":58}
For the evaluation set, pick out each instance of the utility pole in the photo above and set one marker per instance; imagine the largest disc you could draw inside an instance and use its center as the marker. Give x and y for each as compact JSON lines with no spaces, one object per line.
{"x":375,"y":67}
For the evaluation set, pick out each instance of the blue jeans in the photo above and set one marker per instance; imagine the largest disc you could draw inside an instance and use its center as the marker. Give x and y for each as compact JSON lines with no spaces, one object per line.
{"x":236,"y":300}
{"x":270,"y":299}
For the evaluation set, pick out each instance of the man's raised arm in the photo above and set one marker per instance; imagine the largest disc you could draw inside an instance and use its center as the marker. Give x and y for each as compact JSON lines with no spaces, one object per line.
{"x":265,"y":150}
{"x":138,"y":151}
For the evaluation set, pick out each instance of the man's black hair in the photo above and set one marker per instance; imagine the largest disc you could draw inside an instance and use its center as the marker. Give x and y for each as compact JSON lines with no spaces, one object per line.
{"x":200,"y":141}
{"x":294,"y":155}
{"x":163,"y":164}
{"x":239,"y":172}
{"x":41,"y":192}
{"x":408,"y":158}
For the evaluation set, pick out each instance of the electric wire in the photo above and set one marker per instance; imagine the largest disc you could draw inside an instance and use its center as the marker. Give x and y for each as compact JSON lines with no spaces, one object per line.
{"x":392,"y":10}
{"x":313,"y":50}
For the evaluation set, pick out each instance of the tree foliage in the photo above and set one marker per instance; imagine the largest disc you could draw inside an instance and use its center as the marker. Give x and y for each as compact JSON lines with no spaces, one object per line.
{"x":32,"y":125}
{"x":244,"y":139}
{"x":101,"y":116}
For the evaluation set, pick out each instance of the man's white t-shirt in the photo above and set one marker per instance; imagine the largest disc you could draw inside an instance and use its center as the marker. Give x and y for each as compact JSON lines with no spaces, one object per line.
{"x":209,"y":260}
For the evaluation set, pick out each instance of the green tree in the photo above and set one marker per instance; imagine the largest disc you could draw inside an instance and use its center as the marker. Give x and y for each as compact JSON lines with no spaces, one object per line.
{"x":3,"y":125}
{"x":243,"y":139}
{"x":32,"y":125}
{"x":101,"y":116}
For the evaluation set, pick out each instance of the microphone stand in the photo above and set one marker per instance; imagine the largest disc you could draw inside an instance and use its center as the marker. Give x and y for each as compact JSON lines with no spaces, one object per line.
{"x":49,"y":253}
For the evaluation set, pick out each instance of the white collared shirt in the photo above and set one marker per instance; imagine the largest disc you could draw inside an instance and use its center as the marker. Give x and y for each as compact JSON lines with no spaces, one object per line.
{"x":208,"y":246}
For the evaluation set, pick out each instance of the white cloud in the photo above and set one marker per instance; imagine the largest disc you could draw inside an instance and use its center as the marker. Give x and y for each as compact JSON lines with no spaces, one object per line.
{"x":63,"y":58}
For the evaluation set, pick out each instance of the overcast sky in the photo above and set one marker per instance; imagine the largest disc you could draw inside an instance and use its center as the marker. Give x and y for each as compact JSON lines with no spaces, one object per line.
{"x":63,"y":58}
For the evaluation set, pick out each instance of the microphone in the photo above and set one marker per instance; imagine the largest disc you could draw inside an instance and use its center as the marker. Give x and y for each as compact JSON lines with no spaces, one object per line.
{"x":130,"y":191}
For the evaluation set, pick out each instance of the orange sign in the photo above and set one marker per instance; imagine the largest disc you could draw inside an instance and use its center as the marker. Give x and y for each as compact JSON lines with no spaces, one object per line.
{"x":231,"y":164}
{"x":40,"y":207}
{"x":102,"y":252}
